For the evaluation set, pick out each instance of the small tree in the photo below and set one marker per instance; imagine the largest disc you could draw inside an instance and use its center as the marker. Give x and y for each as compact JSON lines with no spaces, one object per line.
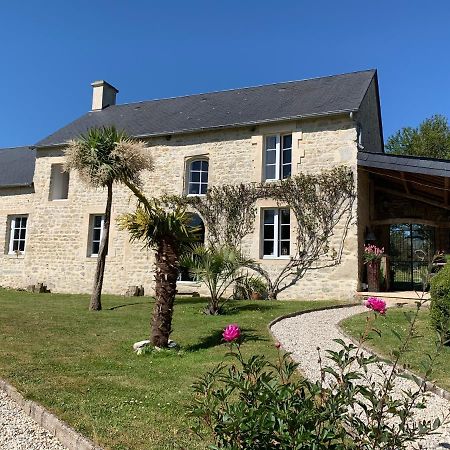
{"x":228,"y":212}
{"x":318,"y":202}
{"x":430,"y":139}
{"x":218,"y":268}
{"x":102,"y":157}
{"x":163,"y":226}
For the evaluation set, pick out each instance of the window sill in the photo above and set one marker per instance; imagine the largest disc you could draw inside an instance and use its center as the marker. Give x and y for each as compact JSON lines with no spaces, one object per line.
{"x":58,"y":200}
{"x":14,"y":256}
{"x":276,"y":258}
{"x":195,"y":195}
{"x":189,"y":283}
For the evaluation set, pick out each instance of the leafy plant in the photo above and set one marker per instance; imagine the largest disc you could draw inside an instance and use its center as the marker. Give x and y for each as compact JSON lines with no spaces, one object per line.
{"x":254,"y":404}
{"x":165,"y":227}
{"x":440,"y":301}
{"x":318,"y":202}
{"x":218,"y":268}
{"x":102,"y":157}
{"x":248,"y":286}
{"x":430,"y":139}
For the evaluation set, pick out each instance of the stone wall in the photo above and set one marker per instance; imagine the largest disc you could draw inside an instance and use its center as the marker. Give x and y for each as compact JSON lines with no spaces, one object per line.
{"x":57,"y":235}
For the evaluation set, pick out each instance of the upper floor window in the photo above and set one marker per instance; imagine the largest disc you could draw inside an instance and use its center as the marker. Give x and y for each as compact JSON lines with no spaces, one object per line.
{"x":278,"y":157}
{"x":95,"y":234}
{"x":197,"y":177}
{"x":18,"y":234}
{"x":59,"y":183}
{"x":276,"y":237}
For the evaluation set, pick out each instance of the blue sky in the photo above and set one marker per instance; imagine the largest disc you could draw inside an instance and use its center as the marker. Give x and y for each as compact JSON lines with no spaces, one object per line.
{"x":52,"y":50}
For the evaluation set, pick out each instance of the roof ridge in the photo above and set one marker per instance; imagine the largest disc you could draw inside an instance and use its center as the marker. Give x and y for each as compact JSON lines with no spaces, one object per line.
{"x":241,"y":88}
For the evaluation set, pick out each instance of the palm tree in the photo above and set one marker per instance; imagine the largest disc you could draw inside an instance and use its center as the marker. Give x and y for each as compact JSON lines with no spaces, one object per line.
{"x":218,"y":268}
{"x":102,"y":157}
{"x":165,"y":226}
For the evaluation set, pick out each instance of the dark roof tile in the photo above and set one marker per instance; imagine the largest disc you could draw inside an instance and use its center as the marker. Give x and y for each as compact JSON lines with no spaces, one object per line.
{"x":17,"y":166}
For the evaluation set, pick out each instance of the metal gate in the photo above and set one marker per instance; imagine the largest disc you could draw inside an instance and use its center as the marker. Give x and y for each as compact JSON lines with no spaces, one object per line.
{"x":411,"y":250}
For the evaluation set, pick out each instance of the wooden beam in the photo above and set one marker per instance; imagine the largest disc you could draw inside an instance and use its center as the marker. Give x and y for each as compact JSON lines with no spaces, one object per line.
{"x":412,"y":197}
{"x":405,"y":182}
{"x":447,"y":188}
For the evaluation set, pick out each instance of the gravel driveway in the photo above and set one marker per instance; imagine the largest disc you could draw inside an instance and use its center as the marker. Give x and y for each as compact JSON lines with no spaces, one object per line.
{"x":302,"y":334}
{"x":20,"y":432}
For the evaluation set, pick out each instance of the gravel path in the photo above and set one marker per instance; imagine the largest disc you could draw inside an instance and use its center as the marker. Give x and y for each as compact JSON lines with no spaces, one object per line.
{"x":20,"y":432}
{"x":302,"y":334}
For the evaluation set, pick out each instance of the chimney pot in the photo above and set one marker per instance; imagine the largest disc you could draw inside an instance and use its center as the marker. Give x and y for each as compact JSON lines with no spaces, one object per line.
{"x":103,"y":95}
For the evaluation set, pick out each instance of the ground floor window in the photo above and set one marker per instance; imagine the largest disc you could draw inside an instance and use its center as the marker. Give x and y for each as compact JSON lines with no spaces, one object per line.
{"x":95,"y":234}
{"x":18,"y":234}
{"x":276,"y":233}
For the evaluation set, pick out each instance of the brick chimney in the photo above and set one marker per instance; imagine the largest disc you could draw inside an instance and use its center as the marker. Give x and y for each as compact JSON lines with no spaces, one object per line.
{"x":103,"y":95}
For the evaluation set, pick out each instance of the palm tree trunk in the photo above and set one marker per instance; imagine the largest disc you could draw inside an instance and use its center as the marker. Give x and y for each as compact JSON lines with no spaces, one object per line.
{"x":96,"y":304}
{"x":165,"y":290}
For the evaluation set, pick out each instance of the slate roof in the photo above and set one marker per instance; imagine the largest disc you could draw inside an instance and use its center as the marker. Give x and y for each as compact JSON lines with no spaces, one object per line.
{"x":237,"y":107}
{"x":17,"y":166}
{"x":412,"y":164}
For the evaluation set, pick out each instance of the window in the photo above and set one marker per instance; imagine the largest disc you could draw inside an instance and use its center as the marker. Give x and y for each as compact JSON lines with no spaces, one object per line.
{"x":278,"y":157}
{"x":59,"y":183}
{"x":197,"y":177}
{"x":196,"y":221}
{"x":18,"y":234}
{"x":276,"y":233}
{"x":96,"y":234}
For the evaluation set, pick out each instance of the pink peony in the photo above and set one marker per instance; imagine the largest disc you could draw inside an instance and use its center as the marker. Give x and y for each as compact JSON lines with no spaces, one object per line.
{"x":376,"y":304}
{"x":231,"y":333}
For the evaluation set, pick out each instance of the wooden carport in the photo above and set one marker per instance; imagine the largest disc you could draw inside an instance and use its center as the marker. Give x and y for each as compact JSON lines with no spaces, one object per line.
{"x":409,"y":211}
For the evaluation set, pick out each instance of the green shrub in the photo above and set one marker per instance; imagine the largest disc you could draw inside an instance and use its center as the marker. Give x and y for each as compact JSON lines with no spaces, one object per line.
{"x":247,"y":286}
{"x":253,"y":404}
{"x":440,"y":300}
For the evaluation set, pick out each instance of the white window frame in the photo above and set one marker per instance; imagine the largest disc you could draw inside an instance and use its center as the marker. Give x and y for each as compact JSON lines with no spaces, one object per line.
{"x":12,"y":228}
{"x":189,"y":163}
{"x":277,"y":234}
{"x":278,"y":156}
{"x":91,"y":233}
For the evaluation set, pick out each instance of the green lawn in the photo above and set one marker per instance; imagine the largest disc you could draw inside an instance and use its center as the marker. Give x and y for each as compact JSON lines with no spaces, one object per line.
{"x":422,"y":344}
{"x":80,"y":365}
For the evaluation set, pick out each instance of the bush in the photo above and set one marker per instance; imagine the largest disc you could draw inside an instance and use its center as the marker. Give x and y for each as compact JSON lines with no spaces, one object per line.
{"x":246,"y":287}
{"x":440,"y":301}
{"x":253,"y":404}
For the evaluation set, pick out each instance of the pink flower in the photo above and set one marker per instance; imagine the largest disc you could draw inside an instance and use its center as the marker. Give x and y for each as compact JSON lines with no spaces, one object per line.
{"x":278,"y":345}
{"x":376,"y":304}
{"x":231,"y":333}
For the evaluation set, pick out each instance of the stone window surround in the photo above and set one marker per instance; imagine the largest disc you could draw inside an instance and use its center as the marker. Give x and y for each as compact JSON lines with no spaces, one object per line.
{"x":92,"y":227}
{"x":10,"y":227}
{"x":85,"y":230}
{"x":283,"y":128}
{"x":58,"y":188}
{"x":188,"y":160}
{"x":277,"y":230}
{"x":279,"y":162}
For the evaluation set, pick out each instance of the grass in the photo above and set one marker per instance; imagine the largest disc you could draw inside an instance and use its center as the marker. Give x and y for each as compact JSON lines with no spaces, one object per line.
{"x":80,"y":365}
{"x":421,"y":345}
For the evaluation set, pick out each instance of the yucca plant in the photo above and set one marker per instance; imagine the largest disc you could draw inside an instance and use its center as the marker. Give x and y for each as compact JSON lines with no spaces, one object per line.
{"x":217,"y":267}
{"x":102,"y":157}
{"x":164,"y":226}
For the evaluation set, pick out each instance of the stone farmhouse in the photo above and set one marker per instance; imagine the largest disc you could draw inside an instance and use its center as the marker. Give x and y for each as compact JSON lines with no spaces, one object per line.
{"x":50,"y":223}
